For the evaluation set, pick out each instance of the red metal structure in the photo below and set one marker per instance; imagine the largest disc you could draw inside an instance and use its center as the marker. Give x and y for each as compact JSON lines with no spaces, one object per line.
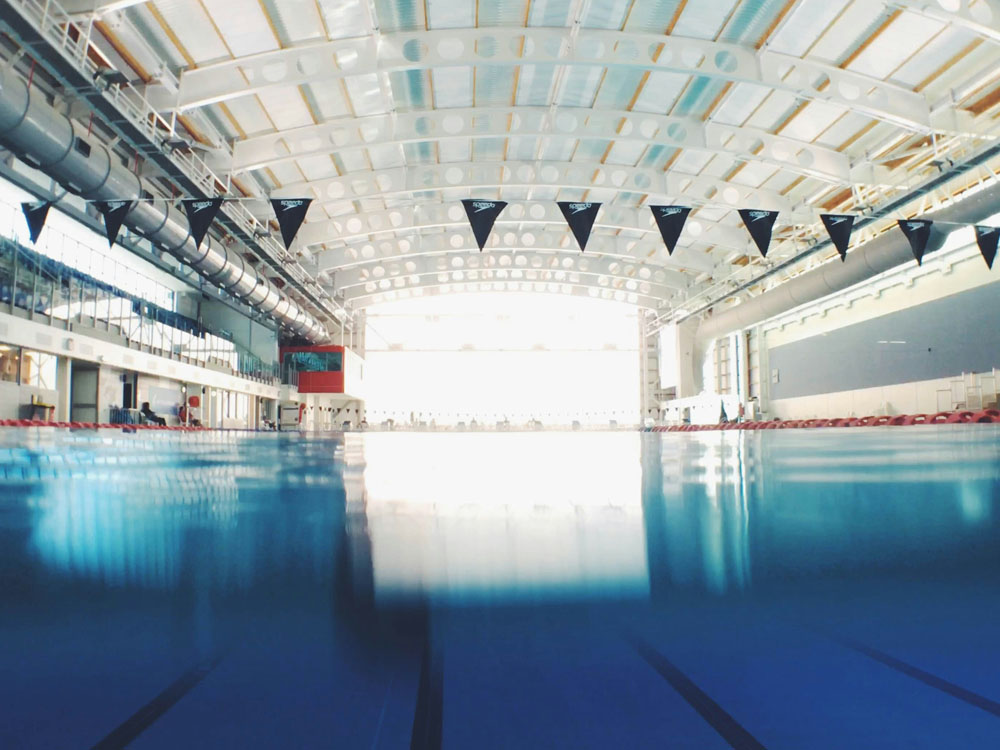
{"x":314,"y":369}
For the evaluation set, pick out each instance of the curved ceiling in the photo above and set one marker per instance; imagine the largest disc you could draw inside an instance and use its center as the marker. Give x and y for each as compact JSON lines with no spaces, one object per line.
{"x":389,"y":112}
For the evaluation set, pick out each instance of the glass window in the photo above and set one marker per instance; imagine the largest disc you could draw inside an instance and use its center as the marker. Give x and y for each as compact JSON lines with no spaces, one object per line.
{"x":9,"y":361}
{"x":38,"y":369}
{"x":314,"y":361}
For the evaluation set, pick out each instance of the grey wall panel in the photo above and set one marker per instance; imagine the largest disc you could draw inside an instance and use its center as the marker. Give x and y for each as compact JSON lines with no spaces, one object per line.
{"x":945,"y":337}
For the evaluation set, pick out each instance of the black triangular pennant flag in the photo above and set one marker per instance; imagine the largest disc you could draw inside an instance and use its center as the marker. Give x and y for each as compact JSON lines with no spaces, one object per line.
{"x":290,"y":212}
{"x":839,"y":227}
{"x":760,"y":223}
{"x":986,"y":238}
{"x":201,"y":213}
{"x":580,"y":217}
{"x":917,"y":231}
{"x":35,"y":213}
{"x":114,"y":216}
{"x":482,"y":216}
{"x":670,"y":220}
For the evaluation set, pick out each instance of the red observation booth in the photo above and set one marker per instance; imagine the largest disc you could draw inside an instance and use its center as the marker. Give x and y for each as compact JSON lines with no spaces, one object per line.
{"x":314,"y":369}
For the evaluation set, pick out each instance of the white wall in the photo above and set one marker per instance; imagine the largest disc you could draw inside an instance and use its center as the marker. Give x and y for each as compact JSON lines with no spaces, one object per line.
{"x":940,"y":276}
{"x":14,"y":399}
{"x":923,"y":397}
{"x":956,"y":269}
{"x":354,"y":374}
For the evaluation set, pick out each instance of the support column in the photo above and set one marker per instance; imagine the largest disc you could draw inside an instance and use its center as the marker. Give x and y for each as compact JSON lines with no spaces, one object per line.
{"x":209,"y":405}
{"x":64,"y":380}
{"x":689,"y":358}
{"x":649,"y":371}
{"x":360,"y":324}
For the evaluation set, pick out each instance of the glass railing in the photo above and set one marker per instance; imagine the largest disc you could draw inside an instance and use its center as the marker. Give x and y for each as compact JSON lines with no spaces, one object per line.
{"x":121,"y":415}
{"x":289,"y":376}
{"x":51,"y":292}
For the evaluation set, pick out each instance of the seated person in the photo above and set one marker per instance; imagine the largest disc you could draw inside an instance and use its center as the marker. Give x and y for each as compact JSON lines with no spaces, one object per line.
{"x":186,"y":417}
{"x":150,"y":415}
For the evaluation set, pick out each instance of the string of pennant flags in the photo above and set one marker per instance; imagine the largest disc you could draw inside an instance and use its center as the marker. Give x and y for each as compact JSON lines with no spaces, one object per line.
{"x":759,"y":223}
{"x":201,"y":212}
{"x":482,"y":215}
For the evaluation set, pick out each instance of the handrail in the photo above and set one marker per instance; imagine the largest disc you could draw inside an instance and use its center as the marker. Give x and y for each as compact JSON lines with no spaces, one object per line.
{"x":33,"y":287}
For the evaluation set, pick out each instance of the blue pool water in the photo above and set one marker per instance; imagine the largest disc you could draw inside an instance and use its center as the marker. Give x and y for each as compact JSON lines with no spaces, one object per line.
{"x":792,"y":589}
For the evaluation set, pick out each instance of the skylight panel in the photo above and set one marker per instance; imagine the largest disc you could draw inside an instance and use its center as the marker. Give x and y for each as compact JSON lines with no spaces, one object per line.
{"x":803,"y":26}
{"x":605,"y":14}
{"x":895,"y":44}
{"x":550,"y":12}
{"x":345,"y":18}
{"x":244,"y":27}
{"x":652,"y":16}
{"x":740,"y":102}
{"x":366,"y":94}
{"x":455,"y":150}
{"x":579,"y":85}
{"x":452,"y":87}
{"x":286,"y":107}
{"x":703,"y":19}
{"x":660,"y":92}
{"x":451,"y":14}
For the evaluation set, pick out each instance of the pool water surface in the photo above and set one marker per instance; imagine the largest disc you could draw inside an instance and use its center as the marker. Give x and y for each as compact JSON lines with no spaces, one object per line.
{"x":798,"y":589}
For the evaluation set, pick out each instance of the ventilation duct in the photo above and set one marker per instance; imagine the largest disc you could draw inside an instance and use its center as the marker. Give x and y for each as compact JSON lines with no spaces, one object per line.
{"x":881,"y":254}
{"x":48,"y":140}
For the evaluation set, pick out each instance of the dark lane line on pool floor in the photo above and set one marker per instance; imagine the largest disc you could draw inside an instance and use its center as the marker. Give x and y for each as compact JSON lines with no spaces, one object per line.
{"x":956,"y":691}
{"x":716,"y":716}
{"x":429,"y":714}
{"x":144,"y":718}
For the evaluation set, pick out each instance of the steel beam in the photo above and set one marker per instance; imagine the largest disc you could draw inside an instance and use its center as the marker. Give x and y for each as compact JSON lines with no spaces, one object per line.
{"x":419,"y":50}
{"x":601,"y":179}
{"x":431,"y":287}
{"x":646,"y":278}
{"x":981,"y":17}
{"x":395,"y":224}
{"x":600,"y":247}
{"x":347,"y":134}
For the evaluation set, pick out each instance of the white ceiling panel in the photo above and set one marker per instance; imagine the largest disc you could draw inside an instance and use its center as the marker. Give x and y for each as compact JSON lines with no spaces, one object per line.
{"x":344,"y":19}
{"x":191,"y":25}
{"x":244,"y":27}
{"x":455,"y":150}
{"x":365,"y":94}
{"x":803,"y":26}
{"x":554,"y":13}
{"x":704,"y":19}
{"x":295,"y":21}
{"x":848,"y":31}
{"x":451,"y":14}
{"x":660,"y":92}
{"x":386,"y":156}
{"x":898,"y":42}
{"x":286,"y":108}
{"x":452,"y":87}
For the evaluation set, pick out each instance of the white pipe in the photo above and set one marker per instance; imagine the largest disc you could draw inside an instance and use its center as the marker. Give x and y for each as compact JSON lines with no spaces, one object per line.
{"x":47,"y":139}
{"x":881,"y":254}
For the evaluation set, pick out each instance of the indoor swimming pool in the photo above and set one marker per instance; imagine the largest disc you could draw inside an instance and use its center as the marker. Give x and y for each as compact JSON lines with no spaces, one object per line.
{"x":791,"y":589}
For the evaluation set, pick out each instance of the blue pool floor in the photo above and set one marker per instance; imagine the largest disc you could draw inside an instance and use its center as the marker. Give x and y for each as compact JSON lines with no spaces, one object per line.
{"x":756,"y":592}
